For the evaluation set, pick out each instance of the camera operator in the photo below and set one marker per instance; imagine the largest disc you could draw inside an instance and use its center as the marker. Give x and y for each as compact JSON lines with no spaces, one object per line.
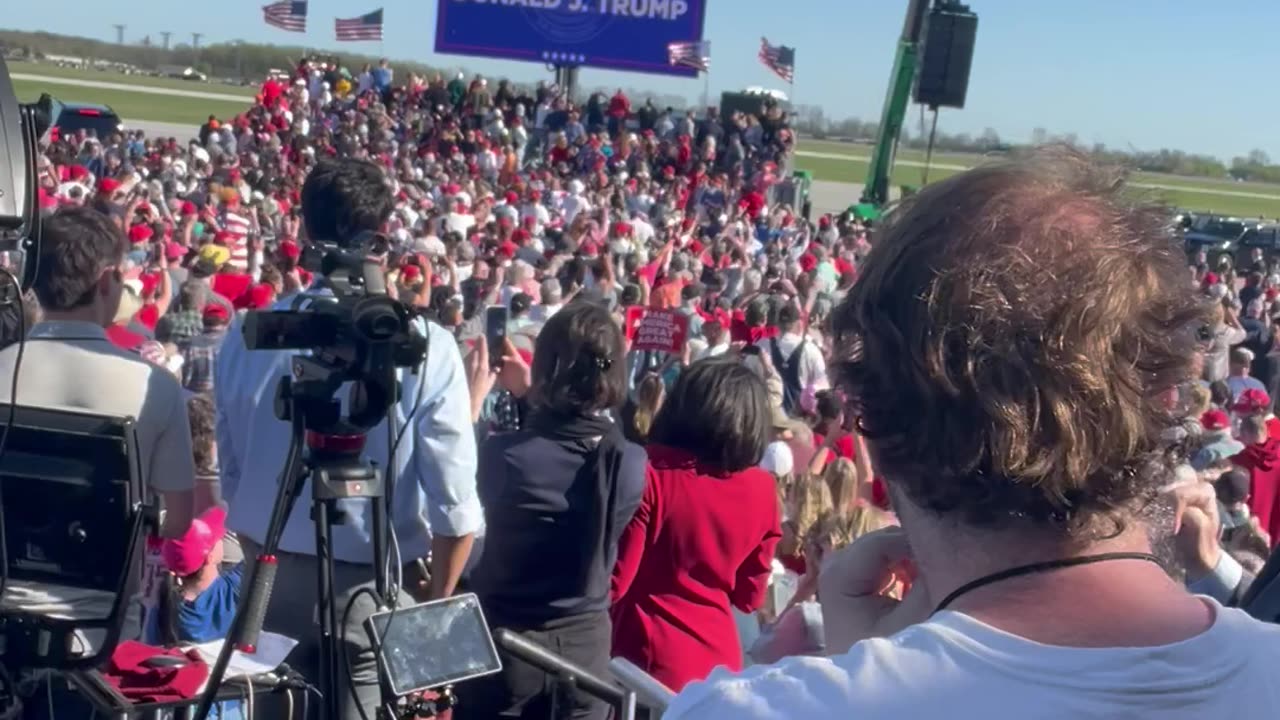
{"x":436,"y":509}
{"x":1007,"y":345}
{"x":68,"y":362}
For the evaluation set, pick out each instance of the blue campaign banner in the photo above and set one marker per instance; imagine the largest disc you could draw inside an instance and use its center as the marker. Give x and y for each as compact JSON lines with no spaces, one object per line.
{"x":614,"y":34}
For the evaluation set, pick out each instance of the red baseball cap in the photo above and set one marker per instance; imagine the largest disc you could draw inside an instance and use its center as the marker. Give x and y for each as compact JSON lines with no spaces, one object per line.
{"x":290,"y":249}
{"x":1252,"y":401}
{"x":216,"y":311}
{"x":1215,"y":420}
{"x":108,"y":185}
{"x":187,"y":554}
{"x":140,"y":233}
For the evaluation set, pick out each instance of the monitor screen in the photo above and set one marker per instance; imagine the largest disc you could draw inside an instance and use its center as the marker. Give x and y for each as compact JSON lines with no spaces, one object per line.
{"x":434,"y":644}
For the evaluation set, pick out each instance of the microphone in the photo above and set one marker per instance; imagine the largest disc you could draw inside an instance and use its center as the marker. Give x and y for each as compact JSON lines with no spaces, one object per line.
{"x":550,"y":663}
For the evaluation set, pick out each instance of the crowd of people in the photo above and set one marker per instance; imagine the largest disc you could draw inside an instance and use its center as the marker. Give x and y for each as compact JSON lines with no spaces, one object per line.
{"x":857,"y":433}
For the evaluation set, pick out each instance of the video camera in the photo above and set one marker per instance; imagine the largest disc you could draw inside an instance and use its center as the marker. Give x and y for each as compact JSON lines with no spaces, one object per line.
{"x":355,"y":334}
{"x":349,"y":331}
{"x":21,"y":127}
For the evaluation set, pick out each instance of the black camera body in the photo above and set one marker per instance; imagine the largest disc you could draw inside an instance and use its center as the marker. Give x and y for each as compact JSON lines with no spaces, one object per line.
{"x":20,"y":130}
{"x":355,"y":334}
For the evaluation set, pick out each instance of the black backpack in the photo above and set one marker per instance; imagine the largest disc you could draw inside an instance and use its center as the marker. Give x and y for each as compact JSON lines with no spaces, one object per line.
{"x":789,"y":369}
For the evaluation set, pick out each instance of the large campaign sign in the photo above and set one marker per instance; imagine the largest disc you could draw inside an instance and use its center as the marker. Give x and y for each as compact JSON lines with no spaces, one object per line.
{"x":615,"y":34}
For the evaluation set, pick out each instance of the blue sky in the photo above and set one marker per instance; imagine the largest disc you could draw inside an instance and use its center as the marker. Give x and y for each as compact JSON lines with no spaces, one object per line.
{"x":1188,"y":74}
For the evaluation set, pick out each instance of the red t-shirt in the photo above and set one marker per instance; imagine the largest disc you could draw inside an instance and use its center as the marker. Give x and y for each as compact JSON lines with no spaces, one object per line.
{"x":231,"y":286}
{"x":843,"y":446}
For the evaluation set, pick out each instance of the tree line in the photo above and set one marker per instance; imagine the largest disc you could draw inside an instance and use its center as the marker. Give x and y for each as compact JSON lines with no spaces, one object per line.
{"x":248,"y":63}
{"x":244,"y":63}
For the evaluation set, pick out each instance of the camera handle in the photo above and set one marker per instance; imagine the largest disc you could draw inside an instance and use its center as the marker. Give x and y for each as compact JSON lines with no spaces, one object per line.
{"x":336,"y":473}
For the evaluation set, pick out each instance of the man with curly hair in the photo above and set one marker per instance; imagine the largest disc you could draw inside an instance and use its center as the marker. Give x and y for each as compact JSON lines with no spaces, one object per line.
{"x":1007,"y":346}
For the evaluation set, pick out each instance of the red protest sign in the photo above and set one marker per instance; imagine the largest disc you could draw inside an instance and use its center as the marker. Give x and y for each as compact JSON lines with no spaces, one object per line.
{"x":661,"y":330}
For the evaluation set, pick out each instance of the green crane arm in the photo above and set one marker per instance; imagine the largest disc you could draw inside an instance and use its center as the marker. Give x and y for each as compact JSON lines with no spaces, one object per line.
{"x":876,"y":190}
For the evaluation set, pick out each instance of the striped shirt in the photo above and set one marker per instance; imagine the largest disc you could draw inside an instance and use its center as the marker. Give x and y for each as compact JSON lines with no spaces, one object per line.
{"x":237,"y":226}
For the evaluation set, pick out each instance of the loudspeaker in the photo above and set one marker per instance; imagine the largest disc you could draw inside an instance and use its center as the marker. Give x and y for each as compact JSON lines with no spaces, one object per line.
{"x":942,"y":76}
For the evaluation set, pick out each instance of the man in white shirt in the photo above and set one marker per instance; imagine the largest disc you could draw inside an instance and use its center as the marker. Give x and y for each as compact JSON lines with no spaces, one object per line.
{"x":574,"y":202}
{"x":536,"y":210}
{"x":717,"y":340}
{"x":459,"y":219}
{"x":69,"y":363}
{"x":552,"y":298}
{"x":1012,"y":334}
{"x":791,"y":346}
{"x":437,"y":511}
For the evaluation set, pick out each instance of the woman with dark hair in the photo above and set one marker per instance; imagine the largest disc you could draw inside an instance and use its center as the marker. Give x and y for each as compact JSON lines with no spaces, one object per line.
{"x":557,"y":496}
{"x":702,"y":541}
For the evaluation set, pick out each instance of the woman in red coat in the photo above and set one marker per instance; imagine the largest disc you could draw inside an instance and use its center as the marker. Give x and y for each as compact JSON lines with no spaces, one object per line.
{"x":703,"y":538}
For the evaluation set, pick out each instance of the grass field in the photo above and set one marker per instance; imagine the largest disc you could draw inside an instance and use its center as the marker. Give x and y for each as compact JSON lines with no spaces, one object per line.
{"x":837,"y":161}
{"x":847,"y":162}
{"x":136,"y":106}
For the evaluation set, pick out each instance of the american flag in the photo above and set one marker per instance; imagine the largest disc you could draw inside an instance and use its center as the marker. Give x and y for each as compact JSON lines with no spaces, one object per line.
{"x":696,"y":55}
{"x":365,"y":27}
{"x":780,"y":59}
{"x":290,"y":16}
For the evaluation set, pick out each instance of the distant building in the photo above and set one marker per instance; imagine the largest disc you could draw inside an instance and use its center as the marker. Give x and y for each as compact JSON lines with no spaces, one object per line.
{"x":66,"y":60}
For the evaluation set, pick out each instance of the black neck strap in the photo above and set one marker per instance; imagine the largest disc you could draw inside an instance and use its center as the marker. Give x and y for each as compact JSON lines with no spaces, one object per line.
{"x":1041,"y":567}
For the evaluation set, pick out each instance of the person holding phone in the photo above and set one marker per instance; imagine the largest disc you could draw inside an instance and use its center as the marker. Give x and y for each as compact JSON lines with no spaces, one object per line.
{"x":557,"y":496}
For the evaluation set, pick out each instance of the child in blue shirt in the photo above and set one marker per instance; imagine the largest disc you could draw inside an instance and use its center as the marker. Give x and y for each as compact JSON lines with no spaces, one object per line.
{"x":206,"y":596}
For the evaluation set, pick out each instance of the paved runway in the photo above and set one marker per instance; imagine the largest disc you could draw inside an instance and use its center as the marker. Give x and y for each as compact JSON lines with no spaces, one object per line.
{"x":133,"y":88}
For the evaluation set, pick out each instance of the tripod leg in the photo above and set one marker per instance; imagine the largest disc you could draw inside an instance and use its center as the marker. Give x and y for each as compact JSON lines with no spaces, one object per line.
{"x":253,"y":606}
{"x":330,"y":661}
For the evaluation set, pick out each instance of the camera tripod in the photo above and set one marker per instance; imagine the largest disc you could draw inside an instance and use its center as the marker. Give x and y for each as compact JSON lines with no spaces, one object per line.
{"x":325,"y":451}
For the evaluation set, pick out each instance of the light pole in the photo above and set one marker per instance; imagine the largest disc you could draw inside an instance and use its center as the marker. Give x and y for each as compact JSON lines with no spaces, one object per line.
{"x":195,"y":48}
{"x":119,"y":34}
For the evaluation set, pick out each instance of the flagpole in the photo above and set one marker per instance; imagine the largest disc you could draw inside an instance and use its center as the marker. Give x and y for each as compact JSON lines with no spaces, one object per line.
{"x":706,"y":89}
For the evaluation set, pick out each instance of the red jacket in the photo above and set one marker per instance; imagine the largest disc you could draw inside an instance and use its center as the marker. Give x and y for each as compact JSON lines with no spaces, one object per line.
{"x":619,"y":106}
{"x":700,"y":543}
{"x":1263,"y":463}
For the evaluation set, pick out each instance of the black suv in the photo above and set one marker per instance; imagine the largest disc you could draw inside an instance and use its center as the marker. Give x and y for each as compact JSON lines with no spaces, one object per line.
{"x":1262,"y":240}
{"x":1217,"y":237}
{"x":69,"y":118}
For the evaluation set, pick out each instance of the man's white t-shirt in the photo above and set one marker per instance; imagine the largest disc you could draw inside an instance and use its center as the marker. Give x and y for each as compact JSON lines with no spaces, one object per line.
{"x":813,"y":368}
{"x":956,"y":667}
{"x":459,"y":222}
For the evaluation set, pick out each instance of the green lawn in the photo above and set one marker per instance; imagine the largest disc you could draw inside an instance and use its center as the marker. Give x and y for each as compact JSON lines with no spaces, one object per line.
{"x":136,"y":106}
{"x":855,"y":171}
{"x":49,"y":70}
{"x":971,"y":159}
